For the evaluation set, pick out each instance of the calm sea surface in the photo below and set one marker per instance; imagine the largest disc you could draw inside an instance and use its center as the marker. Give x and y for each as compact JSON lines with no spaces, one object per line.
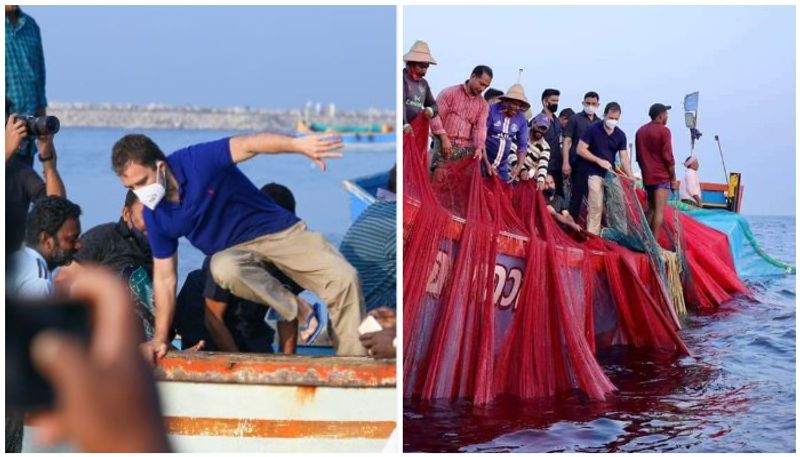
{"x":736,"y":393}
{"x":84,"y":159}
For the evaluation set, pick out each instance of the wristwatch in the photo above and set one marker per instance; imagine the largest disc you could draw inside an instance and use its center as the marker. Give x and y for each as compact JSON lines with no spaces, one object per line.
{"x":44,"y":159}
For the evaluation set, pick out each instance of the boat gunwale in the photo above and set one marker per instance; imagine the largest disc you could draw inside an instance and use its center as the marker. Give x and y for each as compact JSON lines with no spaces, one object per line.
{"x":270,"y":369}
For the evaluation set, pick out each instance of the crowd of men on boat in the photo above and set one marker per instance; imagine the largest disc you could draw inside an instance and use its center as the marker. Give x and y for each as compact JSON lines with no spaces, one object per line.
{"x":566,"y":154}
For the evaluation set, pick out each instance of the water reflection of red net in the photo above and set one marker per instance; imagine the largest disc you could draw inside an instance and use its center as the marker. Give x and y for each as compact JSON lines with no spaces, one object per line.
{"x":499,"y":299}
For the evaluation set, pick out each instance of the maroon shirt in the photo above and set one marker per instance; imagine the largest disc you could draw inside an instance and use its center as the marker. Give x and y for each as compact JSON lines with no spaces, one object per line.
{"x":654,"y":153}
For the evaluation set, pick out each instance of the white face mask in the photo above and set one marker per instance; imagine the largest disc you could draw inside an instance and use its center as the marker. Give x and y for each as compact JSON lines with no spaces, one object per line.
{"x":611,"y":123}
{"x":589,"y":109}
{"x":152,"y":194}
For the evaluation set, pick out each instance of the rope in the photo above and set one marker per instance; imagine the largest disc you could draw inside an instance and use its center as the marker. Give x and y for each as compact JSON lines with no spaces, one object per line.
{"x":674,"y":269}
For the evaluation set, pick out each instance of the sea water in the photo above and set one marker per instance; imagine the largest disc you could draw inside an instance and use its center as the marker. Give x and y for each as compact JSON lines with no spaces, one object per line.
{"x":84,"y":161}
{"x":735,"y":393}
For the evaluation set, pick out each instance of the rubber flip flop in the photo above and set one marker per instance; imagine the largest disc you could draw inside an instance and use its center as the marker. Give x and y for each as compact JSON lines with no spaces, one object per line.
{"x":322,"y":321}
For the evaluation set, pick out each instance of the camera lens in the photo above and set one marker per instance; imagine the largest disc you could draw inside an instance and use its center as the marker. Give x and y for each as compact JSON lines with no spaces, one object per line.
{"x":42,"y":125}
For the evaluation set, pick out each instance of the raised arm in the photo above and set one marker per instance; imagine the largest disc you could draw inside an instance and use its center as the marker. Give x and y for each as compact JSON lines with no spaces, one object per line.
{"x":54,"y":185}
{"x":316,"y":147}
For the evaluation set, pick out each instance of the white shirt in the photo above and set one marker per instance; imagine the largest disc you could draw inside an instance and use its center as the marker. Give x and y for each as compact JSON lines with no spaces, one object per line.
{"x":31,"y":278}
{"x":690,"y":185}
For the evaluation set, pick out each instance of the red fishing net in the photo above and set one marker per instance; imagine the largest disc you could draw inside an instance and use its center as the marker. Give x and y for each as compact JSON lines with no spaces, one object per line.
{"x":500,"y":299}
{"x":711,"y":278}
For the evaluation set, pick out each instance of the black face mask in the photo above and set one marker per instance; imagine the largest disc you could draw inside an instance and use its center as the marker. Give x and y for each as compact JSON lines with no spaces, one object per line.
{"x":552,"y":107}
{"x":549,"y":193}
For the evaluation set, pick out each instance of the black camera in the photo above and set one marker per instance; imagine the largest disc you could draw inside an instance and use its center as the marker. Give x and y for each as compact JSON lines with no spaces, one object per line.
{"x":42,"y":125}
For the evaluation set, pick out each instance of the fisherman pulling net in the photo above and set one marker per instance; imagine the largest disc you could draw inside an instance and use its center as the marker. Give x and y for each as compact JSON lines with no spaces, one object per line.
{"x":501,"y":300}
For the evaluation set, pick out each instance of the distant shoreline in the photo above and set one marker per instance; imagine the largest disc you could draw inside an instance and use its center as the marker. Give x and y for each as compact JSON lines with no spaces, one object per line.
{"x":155,"y":116}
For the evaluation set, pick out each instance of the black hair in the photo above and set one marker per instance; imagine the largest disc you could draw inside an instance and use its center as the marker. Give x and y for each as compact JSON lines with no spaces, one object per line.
{"x":392,"y":184}
{"x":281,"y":195}
{"x":135,"y":148}
{"x":130,"y":199}
{"x":492,"y":93}
{"x":612,"y":106}
{"x":591,"y":94}
{"x":550,"y":92}
{"x":481,"y":70}
{"x":568,"y":112}
{"x":48,"y":215}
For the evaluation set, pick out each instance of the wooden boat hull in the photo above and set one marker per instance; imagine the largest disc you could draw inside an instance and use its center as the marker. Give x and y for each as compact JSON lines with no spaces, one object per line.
{"x":222,"y":402}
{"x":254,"y":403}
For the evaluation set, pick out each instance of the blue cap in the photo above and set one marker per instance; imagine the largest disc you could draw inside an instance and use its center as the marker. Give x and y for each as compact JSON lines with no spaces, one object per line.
{"x":540,"y":120}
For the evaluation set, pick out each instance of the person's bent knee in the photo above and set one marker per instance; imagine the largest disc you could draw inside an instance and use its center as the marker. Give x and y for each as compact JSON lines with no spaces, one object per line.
{"x":223,"y":268}
{"x":346,"y":276}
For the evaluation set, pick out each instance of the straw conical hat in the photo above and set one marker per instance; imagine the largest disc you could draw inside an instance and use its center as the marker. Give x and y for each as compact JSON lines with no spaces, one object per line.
{"x":517,"y":93}
{"x":419,"y":52}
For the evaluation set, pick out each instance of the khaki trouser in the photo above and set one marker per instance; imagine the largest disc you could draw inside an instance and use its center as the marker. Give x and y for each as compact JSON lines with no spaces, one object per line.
{"x":308,"y":259}
{"x":594,"y":205}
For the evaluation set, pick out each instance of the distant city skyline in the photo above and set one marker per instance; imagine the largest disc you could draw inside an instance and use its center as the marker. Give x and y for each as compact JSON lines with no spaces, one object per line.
{"x":740,"y":58}
{"x":263,"y":57}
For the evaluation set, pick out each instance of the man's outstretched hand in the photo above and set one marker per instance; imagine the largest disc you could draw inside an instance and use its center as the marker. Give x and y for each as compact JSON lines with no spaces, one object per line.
{"x":318,"y":147}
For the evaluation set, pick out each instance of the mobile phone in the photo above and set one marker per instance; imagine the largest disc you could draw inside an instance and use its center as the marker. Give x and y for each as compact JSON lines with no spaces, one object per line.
{"x":26,"y":389}
{"x":370,"y":325}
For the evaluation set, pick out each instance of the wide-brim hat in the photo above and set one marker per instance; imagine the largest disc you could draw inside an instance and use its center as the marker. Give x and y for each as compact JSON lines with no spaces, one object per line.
{"x":516,"y":93}
{"x":419,"y":52}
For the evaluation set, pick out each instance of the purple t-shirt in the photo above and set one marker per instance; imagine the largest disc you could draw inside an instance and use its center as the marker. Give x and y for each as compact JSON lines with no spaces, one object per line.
{"x":602,"y":145}
{"x":501,"y":131}
{"x":219,"y":207}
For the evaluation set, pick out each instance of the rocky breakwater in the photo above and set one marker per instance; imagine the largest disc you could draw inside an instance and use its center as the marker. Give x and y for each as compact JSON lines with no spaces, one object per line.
{"x":155,"y":116}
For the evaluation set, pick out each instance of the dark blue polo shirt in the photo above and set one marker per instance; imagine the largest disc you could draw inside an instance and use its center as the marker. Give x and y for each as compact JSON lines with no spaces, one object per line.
{"x":576,"y":127}
{"x":602,"y":145}
{"x":219,"y":207}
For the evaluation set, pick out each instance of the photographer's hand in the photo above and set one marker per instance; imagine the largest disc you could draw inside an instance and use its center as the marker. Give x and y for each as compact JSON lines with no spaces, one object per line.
{"x":106,"y":400}
{"x":16,"y":131}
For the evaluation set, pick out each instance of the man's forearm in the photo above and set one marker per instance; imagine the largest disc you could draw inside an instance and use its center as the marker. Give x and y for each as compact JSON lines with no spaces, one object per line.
{"x":245,"y":147}
{"x":219,"y":333}
{"x":565,"y":151}
{"x":164,"y":295}
{"x":626,"y":164}
{"x":54,"y":185}
{"x":585,"y":154}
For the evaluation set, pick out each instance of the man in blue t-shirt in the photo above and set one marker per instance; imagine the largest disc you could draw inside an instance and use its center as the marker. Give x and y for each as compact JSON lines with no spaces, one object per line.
{"x":199,"y":193}
{"x":597,"y":152}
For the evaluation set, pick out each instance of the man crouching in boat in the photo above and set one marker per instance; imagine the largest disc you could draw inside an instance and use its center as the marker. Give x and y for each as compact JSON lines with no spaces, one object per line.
{"x":199,"y":192}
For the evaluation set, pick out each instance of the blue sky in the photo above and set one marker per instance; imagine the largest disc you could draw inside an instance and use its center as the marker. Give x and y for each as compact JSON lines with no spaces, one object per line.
{"x":741,"y":59}
{"x":270,"y":57}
